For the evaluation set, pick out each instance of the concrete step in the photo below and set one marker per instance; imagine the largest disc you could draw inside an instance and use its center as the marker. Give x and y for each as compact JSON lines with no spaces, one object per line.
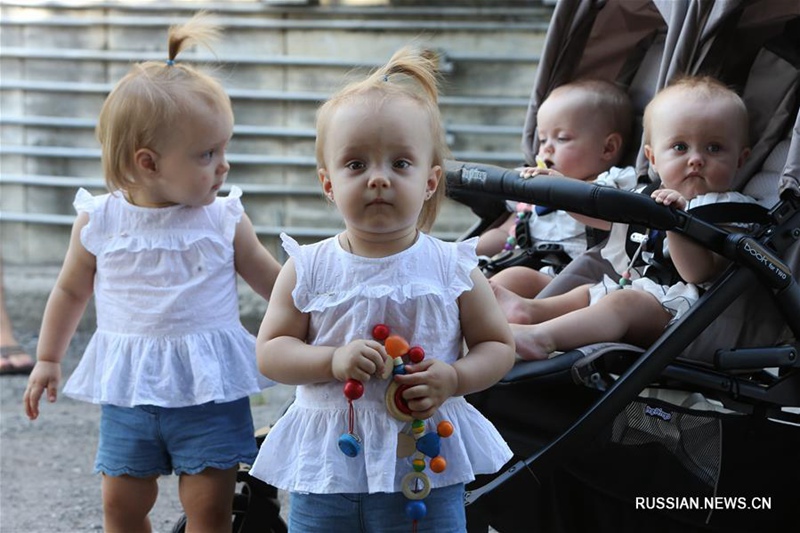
{"x":59,"y":61}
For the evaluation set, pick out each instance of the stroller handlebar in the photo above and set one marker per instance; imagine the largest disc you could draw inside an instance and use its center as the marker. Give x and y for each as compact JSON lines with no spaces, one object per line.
{"x":607,"y":203}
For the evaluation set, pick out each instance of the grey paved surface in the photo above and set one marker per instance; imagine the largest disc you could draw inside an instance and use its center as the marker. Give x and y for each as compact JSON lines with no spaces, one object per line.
{"x":46,"y":480}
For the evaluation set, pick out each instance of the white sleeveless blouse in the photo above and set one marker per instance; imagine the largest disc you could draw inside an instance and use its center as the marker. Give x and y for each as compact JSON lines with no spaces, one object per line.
{"x":415,"y":293}
{"x":168,"y":329}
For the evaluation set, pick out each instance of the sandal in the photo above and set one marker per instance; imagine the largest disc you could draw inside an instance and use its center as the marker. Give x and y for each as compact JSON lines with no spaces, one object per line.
{"x":8,"y":354}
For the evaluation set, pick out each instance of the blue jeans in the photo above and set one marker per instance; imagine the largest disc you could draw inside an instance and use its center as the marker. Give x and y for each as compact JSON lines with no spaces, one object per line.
{"x":146,"y":440}
{"x":376,"y":513}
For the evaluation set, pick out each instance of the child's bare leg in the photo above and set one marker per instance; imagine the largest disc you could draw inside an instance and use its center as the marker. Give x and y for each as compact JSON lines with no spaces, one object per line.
{"x":127,"y":501}
{"x":524,"y":281}
{"x":630,"y":316}
{"x":207,"y":499}
{"x":519,"y":310}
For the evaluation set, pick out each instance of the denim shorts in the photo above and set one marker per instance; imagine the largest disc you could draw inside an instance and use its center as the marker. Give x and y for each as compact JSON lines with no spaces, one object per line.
{"x":380,"y":512}
{"x":146,"y":440}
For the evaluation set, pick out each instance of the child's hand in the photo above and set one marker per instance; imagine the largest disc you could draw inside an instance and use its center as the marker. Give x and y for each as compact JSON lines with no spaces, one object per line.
{"x":669,"y":197}
{"x":46,"y":375}
{"x":430,"y":383}
{"x":531,"y":172}
{"x":359,"y":360}
{"x":542,"y":168}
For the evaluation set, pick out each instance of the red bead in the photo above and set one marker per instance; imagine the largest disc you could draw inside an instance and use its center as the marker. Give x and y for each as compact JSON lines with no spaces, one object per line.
{"x":353,"y":389}
{"x":380,"y":332}
{"x":416,"y":354}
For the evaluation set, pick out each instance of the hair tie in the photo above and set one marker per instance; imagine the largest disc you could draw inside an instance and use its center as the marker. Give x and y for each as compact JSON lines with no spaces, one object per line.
{"x":170,"y":62}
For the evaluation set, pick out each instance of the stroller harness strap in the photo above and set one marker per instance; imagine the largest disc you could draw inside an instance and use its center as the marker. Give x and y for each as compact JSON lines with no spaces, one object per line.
{"x":645,"y":246}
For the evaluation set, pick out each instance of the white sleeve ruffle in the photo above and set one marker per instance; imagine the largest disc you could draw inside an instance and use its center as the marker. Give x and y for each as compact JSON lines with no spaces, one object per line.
{"x":618,"y":177}
{"x":85,"y":202}
{"x":232,"y":212}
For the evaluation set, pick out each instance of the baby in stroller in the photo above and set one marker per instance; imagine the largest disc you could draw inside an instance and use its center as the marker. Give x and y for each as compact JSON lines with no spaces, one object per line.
{"x":695,"y":138}
{"x":584,"y":131}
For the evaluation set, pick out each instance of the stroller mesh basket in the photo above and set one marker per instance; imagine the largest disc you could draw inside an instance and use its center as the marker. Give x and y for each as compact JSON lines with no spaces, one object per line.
{"x":692,"y":437}
{"x":658,"y":466}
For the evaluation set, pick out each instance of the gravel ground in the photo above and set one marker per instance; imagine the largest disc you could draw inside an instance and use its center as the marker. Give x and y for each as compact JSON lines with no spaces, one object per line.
{"x":46,"y":479}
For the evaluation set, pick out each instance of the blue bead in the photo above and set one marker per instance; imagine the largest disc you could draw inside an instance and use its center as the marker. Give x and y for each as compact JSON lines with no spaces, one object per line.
{"x":349,"y":444}
{"x":416,"y":510}
{"x":429,"y":444}
{"x":399,"y":369}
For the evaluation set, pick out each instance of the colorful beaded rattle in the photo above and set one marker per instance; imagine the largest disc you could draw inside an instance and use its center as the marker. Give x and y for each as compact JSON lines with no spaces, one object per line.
{"x":413,"y":440}
{"x":522,"y":209}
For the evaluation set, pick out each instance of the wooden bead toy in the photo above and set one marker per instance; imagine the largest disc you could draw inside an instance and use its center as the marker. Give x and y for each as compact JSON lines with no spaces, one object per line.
{"x":350,"y":443}
{"x":414,"y":441}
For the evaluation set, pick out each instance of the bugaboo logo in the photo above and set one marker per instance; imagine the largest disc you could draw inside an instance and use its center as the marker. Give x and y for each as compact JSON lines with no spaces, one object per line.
{"x":473,"y":174}
{"x":659,"y":412}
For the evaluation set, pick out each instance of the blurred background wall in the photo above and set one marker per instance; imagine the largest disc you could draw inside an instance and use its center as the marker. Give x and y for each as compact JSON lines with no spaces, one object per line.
{"x":278,"y":60}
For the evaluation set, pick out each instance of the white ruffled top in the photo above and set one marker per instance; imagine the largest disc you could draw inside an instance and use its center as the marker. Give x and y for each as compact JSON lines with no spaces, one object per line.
{"x":415,"y":293}
{"x":168,"y":329}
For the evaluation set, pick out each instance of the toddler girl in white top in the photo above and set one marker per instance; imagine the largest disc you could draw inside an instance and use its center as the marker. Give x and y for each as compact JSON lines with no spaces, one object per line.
{"x":170,"y":361}
{"x":380,"y":151}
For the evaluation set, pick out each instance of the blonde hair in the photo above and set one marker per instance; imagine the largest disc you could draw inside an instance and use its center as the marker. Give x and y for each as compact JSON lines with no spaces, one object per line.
{"x":410,"y":73}
{"x":152,"y":97}
{"x":704,"y":87}
{"x":607,"y":104}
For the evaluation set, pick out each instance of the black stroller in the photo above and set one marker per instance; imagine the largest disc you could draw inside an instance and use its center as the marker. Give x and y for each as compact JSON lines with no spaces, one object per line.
{"x":701,"y":431}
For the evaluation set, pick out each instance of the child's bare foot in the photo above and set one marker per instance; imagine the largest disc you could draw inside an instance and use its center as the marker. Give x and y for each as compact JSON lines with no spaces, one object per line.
{"x":515,"y":307}
{"x":531,"y":343}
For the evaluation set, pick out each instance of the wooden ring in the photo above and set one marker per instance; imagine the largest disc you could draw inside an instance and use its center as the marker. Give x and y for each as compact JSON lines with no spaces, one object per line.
{"x":396,"y":404}
{"x":410,"y":480}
